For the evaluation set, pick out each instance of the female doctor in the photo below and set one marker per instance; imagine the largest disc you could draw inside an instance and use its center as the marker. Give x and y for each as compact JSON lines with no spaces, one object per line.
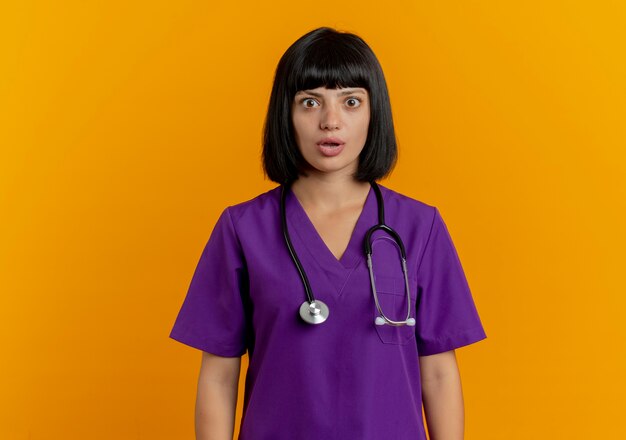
{"x":348,"y":297}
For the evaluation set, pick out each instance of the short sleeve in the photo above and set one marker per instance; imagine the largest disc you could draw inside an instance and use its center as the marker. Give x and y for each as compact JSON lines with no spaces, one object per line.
{"x":446,"y":314}
{"x":212,"y":316}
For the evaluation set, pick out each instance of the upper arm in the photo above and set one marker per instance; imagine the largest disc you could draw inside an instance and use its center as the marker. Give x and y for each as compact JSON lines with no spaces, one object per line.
{"x":437,"y":366}
{"x":446,"y":316}
{"x":212,"y":317}
{"x":219,"y":369}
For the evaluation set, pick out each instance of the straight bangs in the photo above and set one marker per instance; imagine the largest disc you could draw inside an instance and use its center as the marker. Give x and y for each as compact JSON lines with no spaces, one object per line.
{"x":329,"y":67}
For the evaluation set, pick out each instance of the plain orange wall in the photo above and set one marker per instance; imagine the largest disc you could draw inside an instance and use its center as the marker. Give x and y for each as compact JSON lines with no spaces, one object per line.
{"x":126,"y":127}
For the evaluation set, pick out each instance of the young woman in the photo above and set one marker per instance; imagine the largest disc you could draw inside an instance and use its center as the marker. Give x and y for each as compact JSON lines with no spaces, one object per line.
{"x":349,"y":327}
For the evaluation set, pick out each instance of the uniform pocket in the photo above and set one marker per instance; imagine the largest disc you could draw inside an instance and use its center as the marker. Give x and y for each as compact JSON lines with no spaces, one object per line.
{"x":392,"y":299}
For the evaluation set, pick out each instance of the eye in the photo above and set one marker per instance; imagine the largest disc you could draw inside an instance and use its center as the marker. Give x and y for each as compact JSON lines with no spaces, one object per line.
{"x":355,"y":99}
{"x":305,"y":100}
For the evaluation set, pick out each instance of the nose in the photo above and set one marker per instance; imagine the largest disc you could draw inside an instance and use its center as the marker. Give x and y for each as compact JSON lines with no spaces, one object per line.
{"x":330,"y":118}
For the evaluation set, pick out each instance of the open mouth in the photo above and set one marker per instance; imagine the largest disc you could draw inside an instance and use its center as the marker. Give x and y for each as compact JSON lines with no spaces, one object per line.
{"x":330,"y":149}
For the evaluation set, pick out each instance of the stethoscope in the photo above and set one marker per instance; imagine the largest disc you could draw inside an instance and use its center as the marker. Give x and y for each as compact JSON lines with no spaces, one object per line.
{"x":315,"y":311}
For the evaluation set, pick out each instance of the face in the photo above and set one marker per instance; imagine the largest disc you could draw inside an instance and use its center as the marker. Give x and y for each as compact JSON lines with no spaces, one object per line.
{"x":322,"y":117}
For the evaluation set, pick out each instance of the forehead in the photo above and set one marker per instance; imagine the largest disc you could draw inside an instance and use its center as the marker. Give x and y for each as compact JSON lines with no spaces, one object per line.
{"x":322,"y":91}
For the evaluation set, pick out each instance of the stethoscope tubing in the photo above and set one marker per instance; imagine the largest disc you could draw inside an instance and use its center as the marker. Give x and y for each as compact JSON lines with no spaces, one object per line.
{"x":292,"y":252}
{"x":317,"y":309}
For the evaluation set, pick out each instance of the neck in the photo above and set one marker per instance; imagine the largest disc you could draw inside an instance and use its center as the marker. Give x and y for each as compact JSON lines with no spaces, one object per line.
{"x":329,"y":192}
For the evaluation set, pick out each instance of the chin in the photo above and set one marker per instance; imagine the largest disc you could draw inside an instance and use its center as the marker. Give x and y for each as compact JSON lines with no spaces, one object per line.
{"x":329,"y":164}
{"x":331,"y":169}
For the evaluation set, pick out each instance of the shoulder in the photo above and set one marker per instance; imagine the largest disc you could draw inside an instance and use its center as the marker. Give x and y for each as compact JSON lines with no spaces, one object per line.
{"x":253,"y":208}
{"x":406,"y":204}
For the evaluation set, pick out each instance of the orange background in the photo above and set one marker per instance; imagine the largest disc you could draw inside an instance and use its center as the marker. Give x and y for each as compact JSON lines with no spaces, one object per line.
{"x":126,"y":127}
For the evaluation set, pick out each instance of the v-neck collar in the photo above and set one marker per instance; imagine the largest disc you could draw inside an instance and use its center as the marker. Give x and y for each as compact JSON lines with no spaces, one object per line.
{"x":303,"y":225}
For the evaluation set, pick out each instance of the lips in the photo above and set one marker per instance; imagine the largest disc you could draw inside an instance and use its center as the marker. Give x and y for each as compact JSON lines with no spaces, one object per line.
{"x":329,"y":151}
{"x":330,"y":142}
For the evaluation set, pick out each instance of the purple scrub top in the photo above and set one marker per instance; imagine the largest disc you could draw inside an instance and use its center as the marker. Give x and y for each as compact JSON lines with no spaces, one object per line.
{"x":346,"y":378}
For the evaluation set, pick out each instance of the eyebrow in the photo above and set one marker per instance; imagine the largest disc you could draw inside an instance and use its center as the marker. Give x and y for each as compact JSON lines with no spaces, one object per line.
{"x":343,"y":93}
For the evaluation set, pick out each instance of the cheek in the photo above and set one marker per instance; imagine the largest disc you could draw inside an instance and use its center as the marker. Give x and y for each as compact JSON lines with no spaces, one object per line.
{"x":364,"y":127}
{"x":300,"y":125}
{"x":297,"y":130}
{"x":300,"y":133}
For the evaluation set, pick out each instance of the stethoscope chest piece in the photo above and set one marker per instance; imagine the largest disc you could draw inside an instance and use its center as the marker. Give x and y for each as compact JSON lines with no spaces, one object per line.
{"x":315,"y":312}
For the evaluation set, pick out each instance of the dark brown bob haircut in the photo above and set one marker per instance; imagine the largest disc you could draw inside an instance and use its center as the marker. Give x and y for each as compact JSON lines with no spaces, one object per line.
{"x":333,"y":59}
